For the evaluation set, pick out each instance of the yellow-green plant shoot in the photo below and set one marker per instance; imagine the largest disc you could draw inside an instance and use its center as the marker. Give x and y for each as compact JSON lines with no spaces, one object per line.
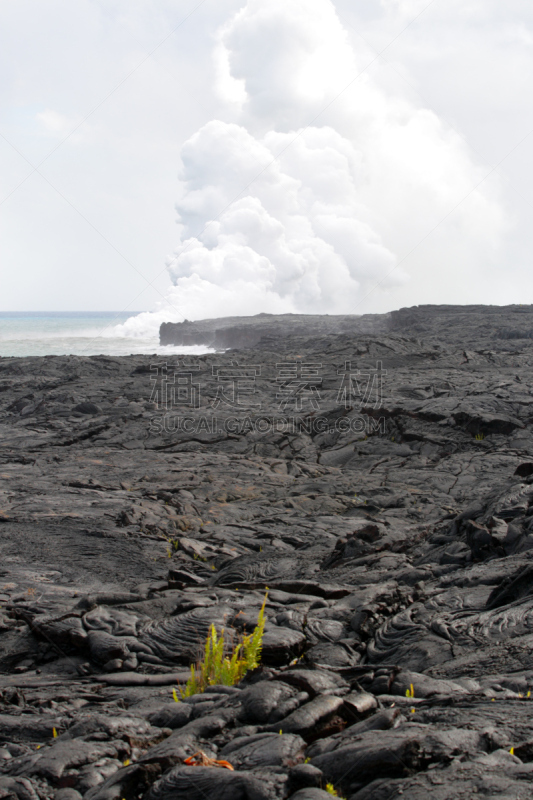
{"x":218,"y":669}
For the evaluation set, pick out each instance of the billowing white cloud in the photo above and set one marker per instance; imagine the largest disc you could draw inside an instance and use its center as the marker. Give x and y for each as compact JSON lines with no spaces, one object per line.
{"x":470,"y":62}
{"x":318,"y":183}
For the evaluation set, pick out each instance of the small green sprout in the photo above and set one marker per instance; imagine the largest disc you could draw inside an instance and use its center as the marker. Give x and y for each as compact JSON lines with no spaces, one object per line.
{"x":410,"y":692}
{"x":216,"y":668}
{"x":479,"y":437}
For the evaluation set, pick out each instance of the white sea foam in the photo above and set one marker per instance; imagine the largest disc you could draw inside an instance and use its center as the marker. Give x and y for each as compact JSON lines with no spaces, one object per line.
{"x":77,"y":334}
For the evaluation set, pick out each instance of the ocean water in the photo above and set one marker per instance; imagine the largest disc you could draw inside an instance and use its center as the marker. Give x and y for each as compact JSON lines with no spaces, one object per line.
{"x":83,"y":333}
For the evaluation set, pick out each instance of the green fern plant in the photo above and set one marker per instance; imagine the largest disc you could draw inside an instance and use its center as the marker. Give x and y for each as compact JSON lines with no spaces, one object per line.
{"x":218,"y":669}
{"x":330,"y":789}
{"x":252,"y":645}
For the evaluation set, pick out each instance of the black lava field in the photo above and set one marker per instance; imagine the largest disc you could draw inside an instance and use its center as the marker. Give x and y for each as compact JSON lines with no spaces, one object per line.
{"x":374,"y":474}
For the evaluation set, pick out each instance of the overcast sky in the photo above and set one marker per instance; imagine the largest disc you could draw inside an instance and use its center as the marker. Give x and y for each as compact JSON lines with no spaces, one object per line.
{"x":113,"y":112}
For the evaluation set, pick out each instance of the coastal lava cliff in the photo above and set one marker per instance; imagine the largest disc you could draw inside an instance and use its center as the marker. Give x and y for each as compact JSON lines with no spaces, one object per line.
{"x":374,"y":473}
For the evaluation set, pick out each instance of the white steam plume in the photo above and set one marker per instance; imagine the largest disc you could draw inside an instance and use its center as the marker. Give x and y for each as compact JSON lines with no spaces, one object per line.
{"x":311,"y":195}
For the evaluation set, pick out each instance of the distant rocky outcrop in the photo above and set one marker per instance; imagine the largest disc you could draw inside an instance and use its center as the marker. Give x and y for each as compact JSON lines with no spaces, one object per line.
{"x":247,"y":332}
{"x":454,"y":324}
{"x":467,"y":324}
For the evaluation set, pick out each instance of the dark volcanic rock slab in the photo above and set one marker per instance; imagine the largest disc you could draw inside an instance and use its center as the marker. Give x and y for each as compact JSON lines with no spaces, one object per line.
{"x":197,"y":783}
